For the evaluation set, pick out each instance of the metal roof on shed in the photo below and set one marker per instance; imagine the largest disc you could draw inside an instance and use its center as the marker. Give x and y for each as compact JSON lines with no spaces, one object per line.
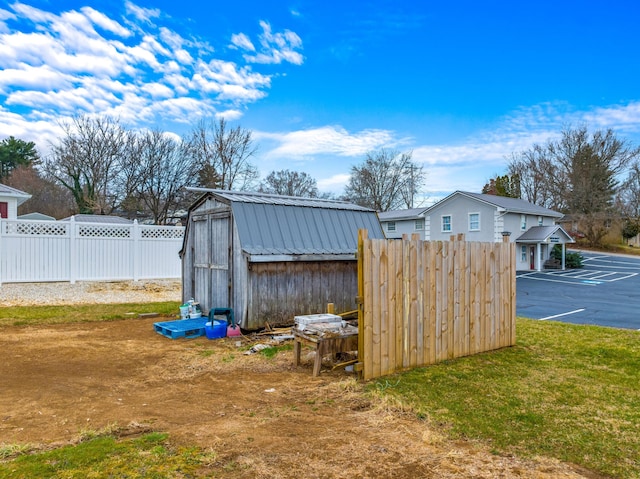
{"x":271,"y":199}
{"x":274,"y":229}
{"x":287,"y":225}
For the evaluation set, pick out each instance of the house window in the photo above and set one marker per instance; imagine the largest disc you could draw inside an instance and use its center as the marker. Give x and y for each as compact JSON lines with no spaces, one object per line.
{"x":523,"y":254}
{"x":419,"y":225}
{"x":539,"y":220}
{"x":474,"y":221}
{"x":391,"y":226}
{"x":4,"y":209}
{"x":523,"y":222}
{"x":446,"y":224}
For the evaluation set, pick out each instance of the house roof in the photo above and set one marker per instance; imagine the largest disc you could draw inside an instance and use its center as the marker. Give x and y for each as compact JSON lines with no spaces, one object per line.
{"x":510,"y":205}
{"x":36,"y":216}
{"x":104,"y":219}
{"x":540,"y":234}
{"x":398,"y":215}
{"x":21,"y":196}
{"x":286,"y":225}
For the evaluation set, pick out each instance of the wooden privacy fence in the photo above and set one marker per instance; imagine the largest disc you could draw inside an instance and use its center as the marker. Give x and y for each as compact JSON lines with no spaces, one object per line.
{"x":422,"y":302}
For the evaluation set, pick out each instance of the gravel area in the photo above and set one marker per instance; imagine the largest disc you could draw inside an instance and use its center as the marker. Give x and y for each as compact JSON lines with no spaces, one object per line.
{"x":147,"y":291}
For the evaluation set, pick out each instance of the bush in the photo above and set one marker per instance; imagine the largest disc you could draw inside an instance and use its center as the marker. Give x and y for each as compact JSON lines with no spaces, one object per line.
{"x":571,"y":260}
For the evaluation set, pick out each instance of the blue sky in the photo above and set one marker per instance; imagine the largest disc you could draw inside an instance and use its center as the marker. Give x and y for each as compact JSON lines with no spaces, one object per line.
{"x":462,"y":84}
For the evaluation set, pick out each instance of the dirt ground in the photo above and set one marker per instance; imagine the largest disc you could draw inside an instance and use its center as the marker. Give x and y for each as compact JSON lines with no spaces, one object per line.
{"x":262,"y":417}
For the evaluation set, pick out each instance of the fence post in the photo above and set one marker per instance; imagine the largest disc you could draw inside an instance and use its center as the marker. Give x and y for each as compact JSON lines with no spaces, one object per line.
{"x":136,"y":250}
{"x":362,"y":236}
{"x":73,"y":251}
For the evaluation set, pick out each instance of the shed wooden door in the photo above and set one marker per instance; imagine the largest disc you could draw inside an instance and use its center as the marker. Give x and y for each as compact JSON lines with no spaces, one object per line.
{"x":211,"y":253}
{"x":220,"y":264}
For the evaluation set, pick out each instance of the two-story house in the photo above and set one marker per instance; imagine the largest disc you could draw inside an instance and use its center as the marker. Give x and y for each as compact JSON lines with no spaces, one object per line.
{"x":483,"y":217}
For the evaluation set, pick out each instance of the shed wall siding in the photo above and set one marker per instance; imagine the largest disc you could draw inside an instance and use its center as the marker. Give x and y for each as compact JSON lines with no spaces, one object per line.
{"x":280,"y":291}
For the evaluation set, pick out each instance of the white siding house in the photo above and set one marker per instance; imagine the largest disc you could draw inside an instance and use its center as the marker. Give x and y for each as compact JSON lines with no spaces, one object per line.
{"x":10,"y":199}
{"x":485,"y":218}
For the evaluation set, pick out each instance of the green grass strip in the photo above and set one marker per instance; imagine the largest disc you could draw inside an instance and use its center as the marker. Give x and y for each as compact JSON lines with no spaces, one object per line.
{"x":150,"y":456}
{"x":39,"y":315}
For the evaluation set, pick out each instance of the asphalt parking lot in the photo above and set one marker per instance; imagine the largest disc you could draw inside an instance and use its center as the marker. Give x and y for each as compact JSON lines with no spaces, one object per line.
{"x":606,"y":292}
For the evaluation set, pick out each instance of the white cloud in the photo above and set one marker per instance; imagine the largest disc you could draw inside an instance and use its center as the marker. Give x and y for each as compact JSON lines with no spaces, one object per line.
{"x":240,"y":40}
{"x":229,"y":115}
{"x":625,"y":118}
{"x":28,"y":77}
{"x":140,"y":13}
{"x":83,"y":61}
{"x":334,"y":183}
{"x":41,"y":132}
{"x":328,"y":140}
{"x":5,"y":15}
{"x":276,"y":47}
{"x":105,"y":22}
{"x":158,"y":90}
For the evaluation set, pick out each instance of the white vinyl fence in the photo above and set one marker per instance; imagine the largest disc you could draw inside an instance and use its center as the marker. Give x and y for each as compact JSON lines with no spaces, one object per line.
{"x":43,"y":251}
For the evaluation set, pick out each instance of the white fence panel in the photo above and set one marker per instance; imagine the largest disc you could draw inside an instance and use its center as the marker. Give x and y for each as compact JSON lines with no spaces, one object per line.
{"x":41,"y":251}
{"x":34,"y":249}
{"x":157,"y":255}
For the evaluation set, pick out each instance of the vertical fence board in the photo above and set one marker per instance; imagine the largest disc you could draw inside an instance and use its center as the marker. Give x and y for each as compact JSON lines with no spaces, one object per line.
{"x":396,"y":276}
{"x":368,"y":312}
{"x":425,"y":302}
{"x":387,"y":275}
{"x":413,"y":297}
{"x":432,"y":306}
{"x":419,"y":273}
{"x":385,"y":330}
{"x":439,"y":299}
{"x":377,"y":319}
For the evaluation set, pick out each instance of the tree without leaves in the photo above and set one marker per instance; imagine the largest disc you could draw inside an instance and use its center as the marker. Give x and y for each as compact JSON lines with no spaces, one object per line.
{"x":15,"y":153}
{"x":387,"y":180}
{"x":92,"y":160}
{"x":164,"y":170}
{"x":290,"y":183}
{"x":533,"y":168}
{"x":222,"y":155}
{"x":629,"y":194}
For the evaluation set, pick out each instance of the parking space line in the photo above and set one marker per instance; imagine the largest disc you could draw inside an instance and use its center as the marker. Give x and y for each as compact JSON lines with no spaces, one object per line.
{"x":603,"y":274}
{"x":612,"y":266}
{"x":527,"y":276}
{"x":562,"y":314}
{"x":629,"y":275}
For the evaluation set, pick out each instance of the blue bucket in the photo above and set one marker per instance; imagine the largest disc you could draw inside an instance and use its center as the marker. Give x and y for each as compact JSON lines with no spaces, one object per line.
{"x":215,"y":329}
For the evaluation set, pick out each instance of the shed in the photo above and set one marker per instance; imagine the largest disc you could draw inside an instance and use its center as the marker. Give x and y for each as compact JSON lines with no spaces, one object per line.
{"x":271,"y":257}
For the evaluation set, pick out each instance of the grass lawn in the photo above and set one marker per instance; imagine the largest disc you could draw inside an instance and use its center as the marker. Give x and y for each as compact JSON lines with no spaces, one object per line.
{"x":149,"y":456}
{"x":33,"y":315}
{"x":564,"y":391}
